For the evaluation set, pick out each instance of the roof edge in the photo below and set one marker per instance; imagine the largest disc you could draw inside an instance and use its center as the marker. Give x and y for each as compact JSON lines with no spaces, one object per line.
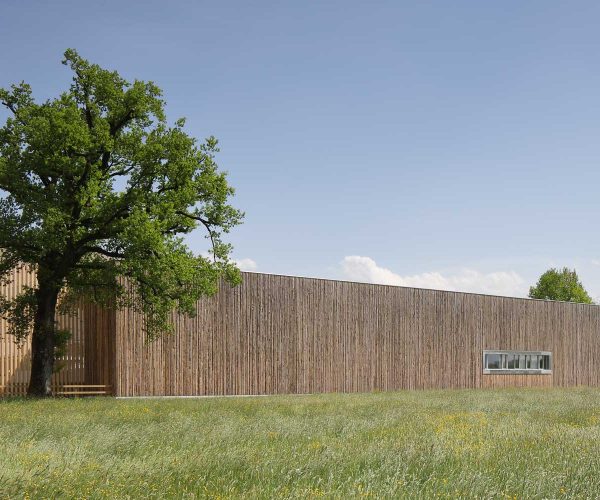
{"x":528,"y":299}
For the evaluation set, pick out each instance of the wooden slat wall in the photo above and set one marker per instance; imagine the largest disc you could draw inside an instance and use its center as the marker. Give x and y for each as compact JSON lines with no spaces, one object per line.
{"x":279,"y":334}
{"x":89,"y":358}
{"x":99,"y":347}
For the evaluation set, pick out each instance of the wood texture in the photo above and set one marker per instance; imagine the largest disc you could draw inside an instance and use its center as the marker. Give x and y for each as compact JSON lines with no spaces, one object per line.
{"x":279,"y":334}
{"x":90,"y":350}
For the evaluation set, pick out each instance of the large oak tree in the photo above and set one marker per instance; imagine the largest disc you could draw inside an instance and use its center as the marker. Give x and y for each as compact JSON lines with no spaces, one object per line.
{"x":96,"y":193}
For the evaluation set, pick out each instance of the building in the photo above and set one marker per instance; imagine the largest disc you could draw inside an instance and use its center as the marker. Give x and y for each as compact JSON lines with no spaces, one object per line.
{"x":281,"y":334}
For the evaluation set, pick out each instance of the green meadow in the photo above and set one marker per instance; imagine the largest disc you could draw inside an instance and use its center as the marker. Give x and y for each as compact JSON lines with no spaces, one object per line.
{"x":516,"y":443}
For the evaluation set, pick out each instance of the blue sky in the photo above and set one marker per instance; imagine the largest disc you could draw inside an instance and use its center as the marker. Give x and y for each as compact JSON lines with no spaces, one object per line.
{"x":439,"y":144}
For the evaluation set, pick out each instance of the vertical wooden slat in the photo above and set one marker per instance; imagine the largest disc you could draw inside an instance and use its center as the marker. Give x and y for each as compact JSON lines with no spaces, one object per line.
{"x":278,"y":334}
{"x":275,"y":334}
{"x":88,"y":354}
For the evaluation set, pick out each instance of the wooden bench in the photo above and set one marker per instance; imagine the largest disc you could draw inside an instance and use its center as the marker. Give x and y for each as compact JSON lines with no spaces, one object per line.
{"x":84,"y":390}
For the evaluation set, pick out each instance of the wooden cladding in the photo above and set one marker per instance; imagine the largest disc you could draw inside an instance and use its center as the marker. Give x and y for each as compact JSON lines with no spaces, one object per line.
{"x":279,"y":334}
{"x":90,"y":350}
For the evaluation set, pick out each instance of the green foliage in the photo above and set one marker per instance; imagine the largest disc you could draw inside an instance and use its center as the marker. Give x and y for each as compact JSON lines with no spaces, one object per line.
{"x":562,"y":285}
{"x":98,"y":192}
{"x":19,"y":311}
{"x":492,"y":444}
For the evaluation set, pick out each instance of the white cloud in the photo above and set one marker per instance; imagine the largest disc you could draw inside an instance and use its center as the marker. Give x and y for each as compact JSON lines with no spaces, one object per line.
{"x":365,"y":269}
{"x":242,"y":264}
{"x":246,"y":264}
{"x":596,"y":262}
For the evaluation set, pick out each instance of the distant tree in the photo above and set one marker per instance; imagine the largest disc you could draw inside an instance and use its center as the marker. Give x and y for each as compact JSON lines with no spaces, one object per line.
{"x":563,"y":285}
{"x":95,"y":186}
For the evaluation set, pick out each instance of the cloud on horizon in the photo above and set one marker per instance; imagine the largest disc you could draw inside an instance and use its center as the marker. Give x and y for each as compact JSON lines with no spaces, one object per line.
{"x":246,"y":264}
{"x":365,"y":269}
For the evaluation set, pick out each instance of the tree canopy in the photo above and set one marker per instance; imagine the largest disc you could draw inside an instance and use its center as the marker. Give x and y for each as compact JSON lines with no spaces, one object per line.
{"x":560,"y":284}
{"x":97,"y":193}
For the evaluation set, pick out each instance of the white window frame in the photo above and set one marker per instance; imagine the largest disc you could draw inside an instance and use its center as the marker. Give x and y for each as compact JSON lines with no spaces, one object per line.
{"x":517,"y":371}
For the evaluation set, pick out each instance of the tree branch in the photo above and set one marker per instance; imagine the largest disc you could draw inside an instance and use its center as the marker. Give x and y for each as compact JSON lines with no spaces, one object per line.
{"x":195,"y":217}
{"x":102,"y":251}
{"x":10,"y":106}
{"x":207,"y":224}
{"x":124,"y":171}
{"x":98,"y":266}
{"x":117,"y":126}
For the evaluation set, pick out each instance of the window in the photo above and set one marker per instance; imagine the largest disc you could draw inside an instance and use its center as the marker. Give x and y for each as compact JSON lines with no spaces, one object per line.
{"x":517,"y":362}
{"x":493,"y":361}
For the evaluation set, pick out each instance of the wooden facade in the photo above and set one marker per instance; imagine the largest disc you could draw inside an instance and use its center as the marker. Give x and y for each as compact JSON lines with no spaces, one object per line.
{"x":280,"y":334}
{"x":89,"y":360}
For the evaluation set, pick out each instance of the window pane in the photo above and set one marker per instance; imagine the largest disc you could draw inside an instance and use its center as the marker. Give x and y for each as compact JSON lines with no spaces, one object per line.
{"x":517,"y":361}
{"x":493,"y":361}
{"x":545,"y":362}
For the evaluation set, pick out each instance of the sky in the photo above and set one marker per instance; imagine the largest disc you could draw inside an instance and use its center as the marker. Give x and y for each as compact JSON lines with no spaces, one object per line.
{"x":448,"y":145}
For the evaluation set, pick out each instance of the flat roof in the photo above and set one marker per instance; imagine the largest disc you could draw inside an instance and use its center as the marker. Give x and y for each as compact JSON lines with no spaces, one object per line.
{"x":425,"y":289}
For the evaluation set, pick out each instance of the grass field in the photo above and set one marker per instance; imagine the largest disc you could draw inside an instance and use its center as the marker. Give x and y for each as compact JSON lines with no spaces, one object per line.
{"x":494,"y":444}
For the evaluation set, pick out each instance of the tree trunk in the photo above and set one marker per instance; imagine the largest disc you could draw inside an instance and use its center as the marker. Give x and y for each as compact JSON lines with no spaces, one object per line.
{"x":43,"y":338}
